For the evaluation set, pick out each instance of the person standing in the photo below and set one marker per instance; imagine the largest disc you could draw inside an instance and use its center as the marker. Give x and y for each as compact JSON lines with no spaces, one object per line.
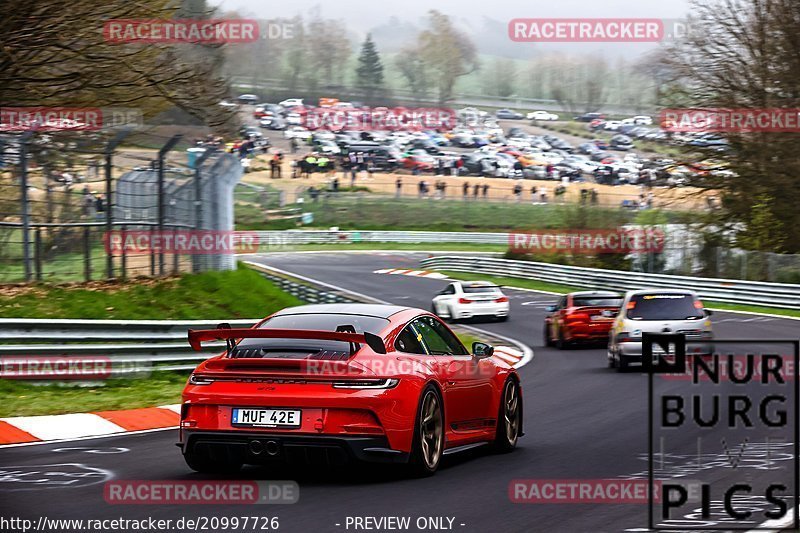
{"x":398,"y":188}
{"x":465,"y":189}
{"x":518,"y":191}
{"x":475,"y":190}
{"x":485,"y":191}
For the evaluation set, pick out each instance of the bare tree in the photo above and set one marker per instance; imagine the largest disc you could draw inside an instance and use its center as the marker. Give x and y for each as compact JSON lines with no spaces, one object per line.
{"x":55,"y":53}
{"x":746,"y":54}
{"x":448,"y":52}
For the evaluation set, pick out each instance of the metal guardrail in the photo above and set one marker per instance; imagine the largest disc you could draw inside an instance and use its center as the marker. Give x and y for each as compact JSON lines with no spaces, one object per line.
{"x":142,"y":346}
{"x":720,"y":290}
{"x":137,"y":346}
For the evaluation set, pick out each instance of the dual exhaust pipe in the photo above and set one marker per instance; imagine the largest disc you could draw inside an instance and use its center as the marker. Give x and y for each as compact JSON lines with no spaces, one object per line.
{"x":270,"y":447}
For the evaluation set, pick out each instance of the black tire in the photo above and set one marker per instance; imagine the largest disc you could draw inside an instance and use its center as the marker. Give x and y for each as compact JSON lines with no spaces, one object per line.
{"x":509,"y":419}
{"x":502,"y":318}
{"x":612,"y":363}
{"x":546,"y":334}
{"x":622,"y":364}
{"x":424,"y":461}
{"x":208,"y":465}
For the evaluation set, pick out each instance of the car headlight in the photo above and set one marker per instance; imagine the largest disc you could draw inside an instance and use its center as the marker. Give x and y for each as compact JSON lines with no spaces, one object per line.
{"x":388,"y":383}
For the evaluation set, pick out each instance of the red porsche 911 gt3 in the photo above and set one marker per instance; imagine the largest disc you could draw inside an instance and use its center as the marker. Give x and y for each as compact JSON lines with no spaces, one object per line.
{"x":337,"y":382}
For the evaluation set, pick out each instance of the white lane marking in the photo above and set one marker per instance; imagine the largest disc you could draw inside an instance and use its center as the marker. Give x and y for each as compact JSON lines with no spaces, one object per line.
{"x":89,"y":437}
{"x":51,"y":427}
{"x":86,"y":449}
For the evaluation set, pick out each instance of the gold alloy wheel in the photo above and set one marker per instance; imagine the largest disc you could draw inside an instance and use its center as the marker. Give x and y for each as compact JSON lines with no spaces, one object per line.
{"x":431,"y":430}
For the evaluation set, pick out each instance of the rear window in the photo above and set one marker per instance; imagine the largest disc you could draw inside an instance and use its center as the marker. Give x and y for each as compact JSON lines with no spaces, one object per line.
{"x":302,"y":348}
{"x":665,"y":307}
{"x":596,"y":301}
{"x":481,"y":289}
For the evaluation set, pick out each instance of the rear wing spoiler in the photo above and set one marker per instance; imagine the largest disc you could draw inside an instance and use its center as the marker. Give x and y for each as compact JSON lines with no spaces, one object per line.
{"x":196,"y":337}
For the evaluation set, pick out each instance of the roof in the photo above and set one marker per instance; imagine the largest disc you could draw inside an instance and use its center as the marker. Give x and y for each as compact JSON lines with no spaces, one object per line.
{"x":478,"y":284}
{"x":376,"y":310}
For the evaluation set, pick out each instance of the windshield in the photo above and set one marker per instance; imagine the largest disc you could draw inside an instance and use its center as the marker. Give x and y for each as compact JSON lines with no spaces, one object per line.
{"x":665,"y":307}
{"x":484,"y":289}
{"x":596,"y":301}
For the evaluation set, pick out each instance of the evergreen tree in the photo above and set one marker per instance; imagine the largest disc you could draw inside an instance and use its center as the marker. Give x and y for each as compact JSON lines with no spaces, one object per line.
{"x":369,"y":73}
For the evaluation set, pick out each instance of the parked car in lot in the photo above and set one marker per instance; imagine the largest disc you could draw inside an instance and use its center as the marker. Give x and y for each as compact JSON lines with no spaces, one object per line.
{"x":581,"y":317}
{"x":509,"y":114}
{"x":333,"y":384}
{"x":247,"y":99}
{"x":419,"y":161}
{"x":621,"y":142}
{"x":612,"y":125}
{"x":469,"y":299}
{"x":542,"y":115}
{"x":297,"y":132}
{"x":658,"y":311}
{"x":588,"y":117}
{"x":291,"y":102}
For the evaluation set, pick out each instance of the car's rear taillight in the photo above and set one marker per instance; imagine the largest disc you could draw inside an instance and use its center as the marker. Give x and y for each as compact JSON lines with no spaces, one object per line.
{"x":624,"y":336}
{"x":464,"y":301}
{"x":501,"y":300}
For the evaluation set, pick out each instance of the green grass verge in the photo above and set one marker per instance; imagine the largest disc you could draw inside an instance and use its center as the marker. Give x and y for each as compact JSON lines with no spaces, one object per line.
{"x":563,"y":289}
{"x":388,"y":213}
{"x":241,"y":293}
{"x":26,"y":399}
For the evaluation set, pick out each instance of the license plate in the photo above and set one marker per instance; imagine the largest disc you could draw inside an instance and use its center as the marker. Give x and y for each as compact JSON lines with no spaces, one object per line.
{"x":266,"y":417}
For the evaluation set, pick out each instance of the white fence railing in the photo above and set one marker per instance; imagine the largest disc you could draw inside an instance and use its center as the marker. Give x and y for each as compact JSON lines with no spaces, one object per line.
{"x":720,"y":290}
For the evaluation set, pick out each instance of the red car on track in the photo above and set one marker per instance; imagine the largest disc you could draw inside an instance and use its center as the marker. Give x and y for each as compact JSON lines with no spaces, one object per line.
{"x":335,"y":382}
{"x":581,"y":317}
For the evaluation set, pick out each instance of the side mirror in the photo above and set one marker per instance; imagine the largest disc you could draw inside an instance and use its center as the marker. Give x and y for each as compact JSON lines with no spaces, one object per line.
{"x":709,"y":312}
{"x":550,"y":308}
{"x":482,"y":350}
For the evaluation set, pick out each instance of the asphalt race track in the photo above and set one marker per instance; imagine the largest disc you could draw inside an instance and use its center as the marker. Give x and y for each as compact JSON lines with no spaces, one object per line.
{"x":582,"y":421}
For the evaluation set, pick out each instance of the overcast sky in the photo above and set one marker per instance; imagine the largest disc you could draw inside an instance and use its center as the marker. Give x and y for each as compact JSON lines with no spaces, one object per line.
{"x":484,"y":19}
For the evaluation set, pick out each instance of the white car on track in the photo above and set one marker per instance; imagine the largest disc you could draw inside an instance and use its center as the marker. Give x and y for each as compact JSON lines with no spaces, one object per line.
{"x":468,"y":299}
{"x":542,"y":115}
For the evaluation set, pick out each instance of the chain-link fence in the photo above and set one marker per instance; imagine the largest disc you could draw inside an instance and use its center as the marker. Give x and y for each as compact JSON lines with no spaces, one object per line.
{"x":91,"y":210}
